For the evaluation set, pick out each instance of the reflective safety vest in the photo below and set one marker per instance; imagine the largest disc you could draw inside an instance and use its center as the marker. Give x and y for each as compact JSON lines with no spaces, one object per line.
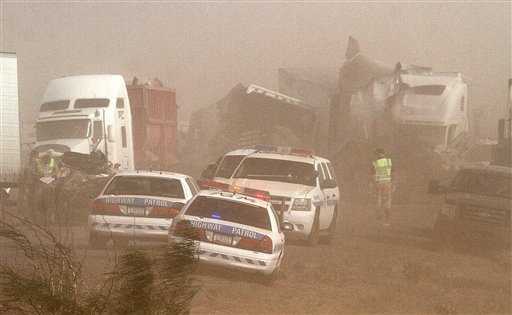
{"x":46,"y":169}
{"x":382,"y":168}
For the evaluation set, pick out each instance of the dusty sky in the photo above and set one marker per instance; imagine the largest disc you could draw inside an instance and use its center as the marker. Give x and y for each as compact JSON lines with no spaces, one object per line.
{"x":203,"y":49}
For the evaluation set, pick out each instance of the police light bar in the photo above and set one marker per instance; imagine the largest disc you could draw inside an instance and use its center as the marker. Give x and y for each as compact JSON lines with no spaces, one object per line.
{"x":284,"y":150}
{"x":246,"y":191}
{"x":251,"y":192}
{"x":215,"y":185}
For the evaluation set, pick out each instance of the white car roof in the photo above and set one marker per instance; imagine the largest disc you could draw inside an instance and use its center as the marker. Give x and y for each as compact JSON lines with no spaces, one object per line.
{"x":288,"y":157}
{"x":161,"y":174}
{"x":215,"y":193}
{"x":240,"y":152}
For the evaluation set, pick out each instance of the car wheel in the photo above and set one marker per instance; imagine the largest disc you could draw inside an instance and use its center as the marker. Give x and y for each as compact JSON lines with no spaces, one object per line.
{"x":332,"y":228}
{"x":97,"y":241}
{"x":315,"y":231}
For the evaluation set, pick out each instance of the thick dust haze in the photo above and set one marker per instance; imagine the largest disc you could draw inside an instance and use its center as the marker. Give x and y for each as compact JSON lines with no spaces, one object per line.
{"x":203,"y":49}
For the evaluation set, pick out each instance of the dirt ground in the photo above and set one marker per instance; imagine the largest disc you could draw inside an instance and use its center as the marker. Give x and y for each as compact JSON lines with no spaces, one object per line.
{"x":368,"y":269}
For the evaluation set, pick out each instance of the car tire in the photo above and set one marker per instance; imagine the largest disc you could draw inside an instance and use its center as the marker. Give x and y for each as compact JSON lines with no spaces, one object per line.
{"x":332,"y":228}
{"x":97,"y":241}
{"x":315,"y":231}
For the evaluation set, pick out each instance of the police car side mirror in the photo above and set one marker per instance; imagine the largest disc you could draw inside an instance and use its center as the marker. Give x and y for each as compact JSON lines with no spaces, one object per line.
{"x":287,"y":226}
{"x":328,"y":183}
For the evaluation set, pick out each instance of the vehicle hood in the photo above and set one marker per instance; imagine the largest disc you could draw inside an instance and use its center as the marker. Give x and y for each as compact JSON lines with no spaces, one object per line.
{"x":476,"y":200}
{"x":275,"y":188}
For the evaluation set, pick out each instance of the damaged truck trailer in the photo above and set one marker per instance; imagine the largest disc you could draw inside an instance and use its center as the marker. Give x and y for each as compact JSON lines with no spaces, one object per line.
{"x":245,"y":117}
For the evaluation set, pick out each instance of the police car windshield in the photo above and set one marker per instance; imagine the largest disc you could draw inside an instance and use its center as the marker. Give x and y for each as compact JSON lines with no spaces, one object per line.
{"x":228,"y":165}
{"x":277,"y":170}
{"x":230,"y":210}
{"x":483,"y":183}
{"x":146,"y":186}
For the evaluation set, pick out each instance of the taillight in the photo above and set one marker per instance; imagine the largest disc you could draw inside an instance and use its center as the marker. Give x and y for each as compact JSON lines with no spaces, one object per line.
{"x":163,"y":212}
{"x":265,"y":245}
{"x":99,"y":207}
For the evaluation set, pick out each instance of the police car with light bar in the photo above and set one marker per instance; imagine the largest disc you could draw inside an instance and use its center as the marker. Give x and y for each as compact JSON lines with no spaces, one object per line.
{"x":234,"y":230}
{"x":303,"y":188}
{"x":138,"y":205}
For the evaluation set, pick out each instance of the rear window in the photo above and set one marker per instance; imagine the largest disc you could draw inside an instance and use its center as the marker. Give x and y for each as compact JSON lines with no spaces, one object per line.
{"x":91,"y":102}
{"x":232,"y":211}
{"x":145,"y":186}
{"x":57,"y":105}
{"x":277,"y":170}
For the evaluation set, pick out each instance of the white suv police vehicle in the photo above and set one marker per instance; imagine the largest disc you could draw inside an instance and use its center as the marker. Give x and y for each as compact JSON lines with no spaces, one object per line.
{"x":303,"y":188}
{"x":239,"y":231}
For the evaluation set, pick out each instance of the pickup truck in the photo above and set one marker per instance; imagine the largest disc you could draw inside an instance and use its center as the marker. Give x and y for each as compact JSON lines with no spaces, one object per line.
{"x":477,"y":204}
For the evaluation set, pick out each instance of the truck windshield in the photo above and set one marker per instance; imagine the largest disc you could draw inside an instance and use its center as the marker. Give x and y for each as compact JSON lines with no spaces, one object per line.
{"x":63,"y":129}
{"x":91,"y":102}
{"x":277,"y":170}
{"x":56,"y":105}
{"x":428,"y":89}
{"x":483,"y":183}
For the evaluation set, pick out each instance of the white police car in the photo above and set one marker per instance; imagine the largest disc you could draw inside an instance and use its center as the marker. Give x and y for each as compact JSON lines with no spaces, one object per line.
{"x":233,"y":230}
{"x":138,"y":205}
{"x":303,"y":188}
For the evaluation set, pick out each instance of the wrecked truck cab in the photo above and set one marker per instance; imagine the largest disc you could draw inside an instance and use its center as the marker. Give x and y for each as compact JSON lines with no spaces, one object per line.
{"x":477,"y":205}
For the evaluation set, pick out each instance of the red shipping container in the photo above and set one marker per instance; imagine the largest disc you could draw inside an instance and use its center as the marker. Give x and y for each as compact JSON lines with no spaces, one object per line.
{"x":154,"y":126}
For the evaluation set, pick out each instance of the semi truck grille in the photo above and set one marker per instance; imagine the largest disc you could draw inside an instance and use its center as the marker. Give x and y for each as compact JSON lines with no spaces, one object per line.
{"x":485,"y":215}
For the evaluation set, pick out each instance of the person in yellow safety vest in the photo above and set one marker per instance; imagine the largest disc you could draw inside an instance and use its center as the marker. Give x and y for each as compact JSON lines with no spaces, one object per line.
{"x":46,"y":165}
{"x":383,"y":177}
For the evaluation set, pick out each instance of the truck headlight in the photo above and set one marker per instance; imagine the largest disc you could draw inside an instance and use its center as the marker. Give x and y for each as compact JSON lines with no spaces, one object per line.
{"x":301,"y":204}
{"x":449,"y":210}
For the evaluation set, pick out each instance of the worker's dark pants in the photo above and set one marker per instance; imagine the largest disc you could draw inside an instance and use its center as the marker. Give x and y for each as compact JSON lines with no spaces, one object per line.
{"x":383,"y":190}
{"x":44,"y":205}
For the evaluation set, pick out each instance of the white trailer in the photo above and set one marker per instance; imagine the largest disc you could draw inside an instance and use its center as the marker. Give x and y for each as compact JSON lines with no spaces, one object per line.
{"x":10,"y":163}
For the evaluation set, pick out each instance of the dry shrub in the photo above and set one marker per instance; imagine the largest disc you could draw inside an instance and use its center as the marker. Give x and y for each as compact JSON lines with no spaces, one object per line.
{"x":44,"y":277}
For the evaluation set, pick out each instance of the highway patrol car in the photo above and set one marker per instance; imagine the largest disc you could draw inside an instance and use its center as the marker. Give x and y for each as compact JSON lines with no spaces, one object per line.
{"x":303,"y":188}
{"x":138,"y":205}
{"x":234,"y":230}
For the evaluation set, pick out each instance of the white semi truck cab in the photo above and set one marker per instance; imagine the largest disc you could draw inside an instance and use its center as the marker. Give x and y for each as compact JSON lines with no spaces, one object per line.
{"x":87,"y":113}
